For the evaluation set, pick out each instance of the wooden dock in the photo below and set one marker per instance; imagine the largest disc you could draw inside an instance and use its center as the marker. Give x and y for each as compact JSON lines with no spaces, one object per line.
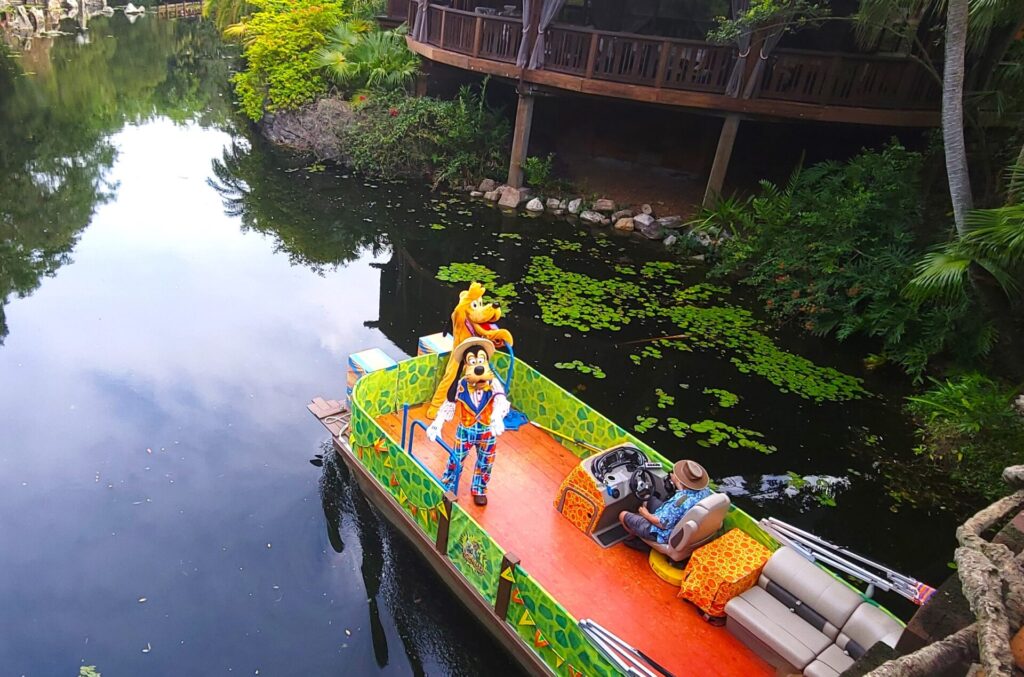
{"x":180,"y":10}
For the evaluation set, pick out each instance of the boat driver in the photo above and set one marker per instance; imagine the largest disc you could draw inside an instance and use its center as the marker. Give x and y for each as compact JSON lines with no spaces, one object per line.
{"x":656,"y":519}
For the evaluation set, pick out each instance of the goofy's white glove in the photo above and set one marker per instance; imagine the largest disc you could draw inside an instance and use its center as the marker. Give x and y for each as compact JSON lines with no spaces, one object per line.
{"x":500,"y":410}
{"x":444,"y":414}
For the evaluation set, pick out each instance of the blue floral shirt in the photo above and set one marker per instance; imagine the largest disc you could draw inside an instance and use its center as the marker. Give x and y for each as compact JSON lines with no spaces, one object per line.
{"x":672,"y":510}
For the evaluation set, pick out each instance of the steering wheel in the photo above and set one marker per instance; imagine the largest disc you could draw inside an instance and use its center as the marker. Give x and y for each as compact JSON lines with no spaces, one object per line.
{"x":627,"y":457}
{"x":641,"y":483}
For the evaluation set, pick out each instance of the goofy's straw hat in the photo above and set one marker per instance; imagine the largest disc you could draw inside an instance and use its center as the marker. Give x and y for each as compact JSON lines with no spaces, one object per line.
{"x":473,"y":342}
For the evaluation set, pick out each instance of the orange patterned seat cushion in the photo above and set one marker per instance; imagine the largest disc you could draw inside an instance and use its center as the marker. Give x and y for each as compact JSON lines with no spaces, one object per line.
{"x":721,"y":570}
{"x":579,"y":500}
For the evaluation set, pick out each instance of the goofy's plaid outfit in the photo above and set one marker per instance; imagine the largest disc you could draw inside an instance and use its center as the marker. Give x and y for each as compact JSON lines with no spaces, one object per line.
{"x":481,"y":413}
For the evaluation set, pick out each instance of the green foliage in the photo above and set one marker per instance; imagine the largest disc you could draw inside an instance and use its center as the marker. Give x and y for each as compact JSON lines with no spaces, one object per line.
{"x":834,"y":250}
{"x":768,"y":15}
{"x":474,"y":272}
{"x":280,"y":42}
{"x":717,"y":433}
{"x":358,"y":57}
{"x":582,"y":368}
{"x":88,"y":671}
{"x":664,"y":399}
{"x":537,"y":171}
{"x":725,"y":398}
{"x":570,"y":299}
{"x":224,"y":13}
{"x":967,"y":425}
{"x":644,"y":423}
{"x":994,"y":242}
{"x":457,"y":141}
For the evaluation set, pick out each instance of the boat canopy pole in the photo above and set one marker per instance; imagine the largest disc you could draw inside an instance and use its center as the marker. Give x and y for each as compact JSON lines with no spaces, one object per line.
{"x":620,"y":645}
{"x":615,"y":650}
{"x":814,"y":548}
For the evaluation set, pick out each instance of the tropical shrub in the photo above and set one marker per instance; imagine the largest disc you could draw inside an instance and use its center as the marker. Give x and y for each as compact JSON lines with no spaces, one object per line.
{"x":537,"y":171}
{"x":968,"y":425}
{"x":358,"y":57}
{"x":835,"y":249}
{"x":280,"y":43}
{"x":456,"y":141}
{"x":994,"y":242}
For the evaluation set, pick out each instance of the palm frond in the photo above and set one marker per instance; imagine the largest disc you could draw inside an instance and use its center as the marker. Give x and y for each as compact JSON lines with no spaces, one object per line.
{"x":939,"y":274}
{"x":998,"y":233}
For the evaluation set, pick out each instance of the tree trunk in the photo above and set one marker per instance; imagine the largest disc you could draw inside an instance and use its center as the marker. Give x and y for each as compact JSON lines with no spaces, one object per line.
{"x":953,"y":112}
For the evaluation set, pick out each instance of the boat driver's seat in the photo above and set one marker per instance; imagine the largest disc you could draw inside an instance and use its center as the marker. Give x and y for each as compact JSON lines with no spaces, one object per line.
{"x":699,"y":525}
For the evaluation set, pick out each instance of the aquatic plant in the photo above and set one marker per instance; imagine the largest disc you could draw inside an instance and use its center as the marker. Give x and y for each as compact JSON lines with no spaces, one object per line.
{"x":664,"y":399}
{"x":644,"y":423}
{"x":88,"y":671}
{"x":582,"y":367}
{"x":567,"y":246}
{"x":571,"y":299}
{"x":649,"y":352}
{"x":718,"y":433}
{"x":474,"y":272}
{"x":725,"y":398}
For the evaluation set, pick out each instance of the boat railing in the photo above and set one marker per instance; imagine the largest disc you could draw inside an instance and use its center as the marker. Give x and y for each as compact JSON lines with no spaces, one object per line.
{"x":873,"y":81}
{"x":407,"y":440}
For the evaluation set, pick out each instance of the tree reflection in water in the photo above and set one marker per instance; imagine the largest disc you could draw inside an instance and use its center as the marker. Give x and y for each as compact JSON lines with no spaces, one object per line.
{"x":305,"y":210}
{"x":57,"y":119}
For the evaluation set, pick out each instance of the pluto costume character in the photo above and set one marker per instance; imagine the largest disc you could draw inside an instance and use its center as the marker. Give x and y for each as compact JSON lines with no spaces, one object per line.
{"x":471,"y":318}
{"x":477,"y":400}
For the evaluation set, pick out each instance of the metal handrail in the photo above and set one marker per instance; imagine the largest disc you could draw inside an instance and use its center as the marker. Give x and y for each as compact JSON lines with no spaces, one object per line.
{"x":407,"y":440}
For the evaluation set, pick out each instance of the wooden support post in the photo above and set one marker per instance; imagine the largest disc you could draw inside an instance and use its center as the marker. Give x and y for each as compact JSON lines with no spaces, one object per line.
{"x":506,"y":572}
{"x":520,"y":140}
{"x":444,"y":15}
{"x":663,"y":54}
{"x":722,"y":156}
{"x":477,"y":35}
{"x":592,"y":55}
{"x":444,"y":521}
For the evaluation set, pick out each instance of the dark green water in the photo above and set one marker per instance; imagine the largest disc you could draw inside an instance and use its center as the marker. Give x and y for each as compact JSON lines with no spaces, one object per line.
{"x":172,"y":292}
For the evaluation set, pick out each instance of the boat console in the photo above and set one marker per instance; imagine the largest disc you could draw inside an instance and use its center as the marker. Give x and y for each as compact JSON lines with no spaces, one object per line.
{"x":603,"y":485}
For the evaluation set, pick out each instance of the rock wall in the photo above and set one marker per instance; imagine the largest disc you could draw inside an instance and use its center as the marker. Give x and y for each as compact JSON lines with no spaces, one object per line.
{"x":314,"y":128}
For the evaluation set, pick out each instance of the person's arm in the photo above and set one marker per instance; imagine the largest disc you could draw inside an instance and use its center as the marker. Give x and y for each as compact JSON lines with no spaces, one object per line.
{"x":651,"y":517}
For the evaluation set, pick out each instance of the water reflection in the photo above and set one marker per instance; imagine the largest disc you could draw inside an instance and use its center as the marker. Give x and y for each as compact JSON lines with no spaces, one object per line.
{"x":60,"y":101}
{"x":154,"y":490}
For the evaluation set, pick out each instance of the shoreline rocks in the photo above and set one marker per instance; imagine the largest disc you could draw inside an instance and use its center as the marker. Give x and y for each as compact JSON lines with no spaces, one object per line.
{"x":314,"y":128}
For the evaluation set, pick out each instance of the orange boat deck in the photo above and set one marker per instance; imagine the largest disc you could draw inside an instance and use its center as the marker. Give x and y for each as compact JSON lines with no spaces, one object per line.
{"x":614,"y":586}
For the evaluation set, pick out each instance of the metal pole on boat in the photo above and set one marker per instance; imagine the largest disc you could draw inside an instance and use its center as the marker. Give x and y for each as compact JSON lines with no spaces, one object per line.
{"x":405,"y":422}
{"x":615,"y":653}
{"x":814,"y":552}
{"x":622,"y":646}
{"x":837,"y":548}
{"x":905,"y":585}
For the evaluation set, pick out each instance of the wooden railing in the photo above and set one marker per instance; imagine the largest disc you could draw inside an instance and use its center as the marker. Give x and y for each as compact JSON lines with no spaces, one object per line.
{"x":488,"y":37}
{"x":828,"y":79}
{"x":638,"y":59}
{"x":397,"y":10}
{"x":868,"y":81}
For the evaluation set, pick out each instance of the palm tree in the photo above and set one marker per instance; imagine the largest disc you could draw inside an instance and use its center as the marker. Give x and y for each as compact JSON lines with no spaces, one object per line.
{"x":993,"y":240}
{"x":954,"y":142}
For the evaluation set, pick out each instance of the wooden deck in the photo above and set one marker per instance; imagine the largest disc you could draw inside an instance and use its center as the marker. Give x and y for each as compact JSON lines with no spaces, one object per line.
{"x":614,"y":586}
{"x":872,"y":89}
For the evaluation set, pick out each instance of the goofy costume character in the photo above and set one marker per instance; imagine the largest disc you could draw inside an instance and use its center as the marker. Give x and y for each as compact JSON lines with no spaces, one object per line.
{"x":478,"y":400}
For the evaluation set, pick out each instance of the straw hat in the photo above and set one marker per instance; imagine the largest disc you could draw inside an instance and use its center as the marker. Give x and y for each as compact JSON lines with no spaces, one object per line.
{"x":472,"y":342}
{"x":690,"y":474}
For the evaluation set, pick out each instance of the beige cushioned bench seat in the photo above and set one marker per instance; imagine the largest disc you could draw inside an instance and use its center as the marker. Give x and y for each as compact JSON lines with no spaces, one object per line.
{"x":798,"y":617}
